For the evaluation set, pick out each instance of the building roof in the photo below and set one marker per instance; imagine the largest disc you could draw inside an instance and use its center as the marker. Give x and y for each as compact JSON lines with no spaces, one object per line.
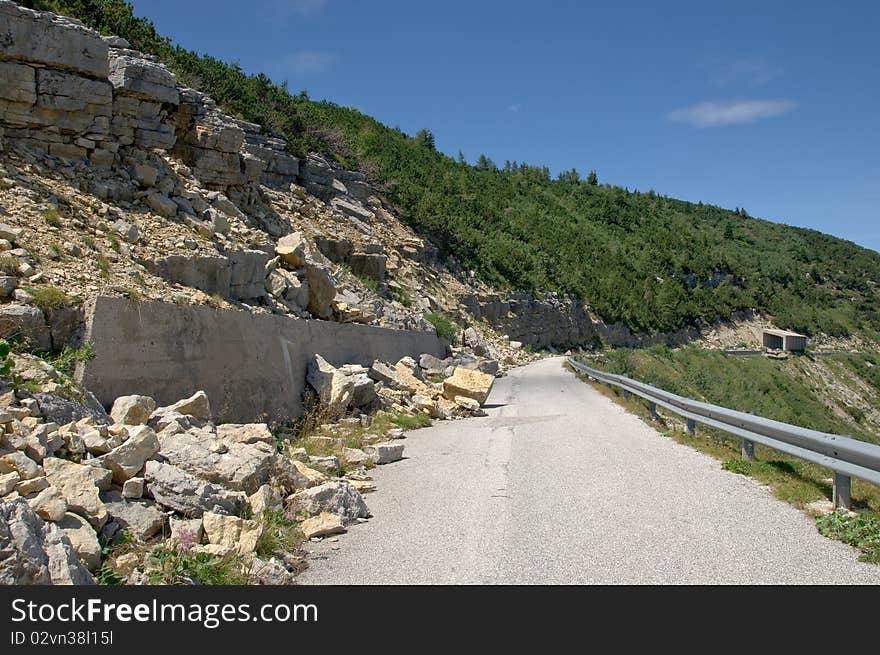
{"x":783,"y":333}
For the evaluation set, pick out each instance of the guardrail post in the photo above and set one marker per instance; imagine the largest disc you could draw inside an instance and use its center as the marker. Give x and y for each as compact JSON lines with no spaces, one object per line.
{"x":841,"y":491}
{"x":691,"y":426}
{"x":625,"y":394}
{"x":652,"y":410}
{"x":748,"y":450}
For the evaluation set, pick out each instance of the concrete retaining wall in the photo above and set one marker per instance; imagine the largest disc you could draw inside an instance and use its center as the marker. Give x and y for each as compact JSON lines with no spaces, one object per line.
{"x":251,"y":366}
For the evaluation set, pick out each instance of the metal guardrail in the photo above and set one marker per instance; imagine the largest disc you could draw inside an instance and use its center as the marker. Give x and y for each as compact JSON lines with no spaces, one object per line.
{"x":847,"y":457}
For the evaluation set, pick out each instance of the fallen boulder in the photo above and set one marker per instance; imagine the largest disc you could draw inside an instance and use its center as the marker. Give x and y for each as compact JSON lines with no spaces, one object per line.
{"x":338,"y":497}
{"x":322,"y":525}
{"x":83,"y":539}
{"x":49,"y":504}
{"x":231,"y":534}
{"x":77,"y":484}
{"x":127,"y":459}
{"x":385,"y":453}
{"x":132,"y":410}
{"x":335,"y":389}
{"x":176,"y":489}
{"x":35,"y":552}
{"x":468,"y":383}
{"x":196,"y":405}
{"x":232,"y":464}
{"x":139,"y":518}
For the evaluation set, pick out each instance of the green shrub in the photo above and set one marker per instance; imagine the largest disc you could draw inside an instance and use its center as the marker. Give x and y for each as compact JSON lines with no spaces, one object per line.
{"x":131,"y":293}
{"x":401,"y":296}
{"x":67,"y":359}
{"x":445,"y":326}
{"x":50,"y":297}
{"x":106,"y":576}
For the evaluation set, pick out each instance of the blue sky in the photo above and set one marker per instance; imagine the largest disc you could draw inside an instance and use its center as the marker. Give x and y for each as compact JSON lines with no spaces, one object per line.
{"x":773,"y":106}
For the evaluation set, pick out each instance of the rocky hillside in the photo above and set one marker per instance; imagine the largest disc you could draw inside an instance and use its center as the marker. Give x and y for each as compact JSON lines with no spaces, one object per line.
{"x":117,"y":179}
{"x":644,"y":262}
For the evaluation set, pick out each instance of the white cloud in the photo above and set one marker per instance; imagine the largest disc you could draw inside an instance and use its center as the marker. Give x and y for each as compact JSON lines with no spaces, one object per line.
{"x":731,"y":112}
{"x":751,"y":72}
{"x":307,"y":62}
{"x":515,"y":108}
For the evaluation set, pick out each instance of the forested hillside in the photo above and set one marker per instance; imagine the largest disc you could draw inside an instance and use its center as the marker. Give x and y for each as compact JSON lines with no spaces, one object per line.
{"x":653,"y":262}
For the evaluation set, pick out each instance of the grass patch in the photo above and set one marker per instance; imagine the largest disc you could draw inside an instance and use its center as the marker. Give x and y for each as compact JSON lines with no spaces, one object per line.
{"x":172,"y":566}
{"x":384,"y":421}
{"x":861,"y":531}
{"x":401,"y":296}
{"x":103,"y":265}
{"x":50,"y":297}
{"x":369,"y":283}
{"x":8,"y":264}
{"x":411,"y":421}
{"x":106,"y":576}
{"x":791,"y":480}
{"x":445,"y":326}
{"x":52,"y":218}
{"x":281,"y":534}
{"x":131,"y":293}
{"x":314,"y":415}
{"x":306,"y":432}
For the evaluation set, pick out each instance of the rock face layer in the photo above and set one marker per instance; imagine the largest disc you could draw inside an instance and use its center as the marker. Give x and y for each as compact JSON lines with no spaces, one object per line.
{"x":51,"y":40}
{"x":66,"y":91}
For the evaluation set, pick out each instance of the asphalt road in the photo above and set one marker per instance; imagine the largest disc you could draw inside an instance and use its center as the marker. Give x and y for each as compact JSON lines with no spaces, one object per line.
{"x":560,"y":485}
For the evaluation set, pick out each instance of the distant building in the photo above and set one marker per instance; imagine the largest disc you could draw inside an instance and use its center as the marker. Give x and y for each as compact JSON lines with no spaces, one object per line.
{"x":784,"y":340}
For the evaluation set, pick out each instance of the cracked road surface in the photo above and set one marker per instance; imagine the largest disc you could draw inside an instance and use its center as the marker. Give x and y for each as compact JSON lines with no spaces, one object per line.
{"x":560,"y":485}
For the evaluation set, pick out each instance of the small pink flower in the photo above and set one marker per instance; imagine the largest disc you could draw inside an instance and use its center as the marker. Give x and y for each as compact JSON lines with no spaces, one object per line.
{"x":186,"y":541}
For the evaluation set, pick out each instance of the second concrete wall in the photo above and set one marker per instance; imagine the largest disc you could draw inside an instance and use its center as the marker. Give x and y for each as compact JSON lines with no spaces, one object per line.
{"x":252,"y":366}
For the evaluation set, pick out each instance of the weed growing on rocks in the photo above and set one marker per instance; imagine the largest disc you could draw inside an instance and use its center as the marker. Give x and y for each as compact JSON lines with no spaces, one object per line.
{"x":66,"y":361}
{"x":281,"y":533}
{"x":445,"y":326}
{"x":175,"y":566}
{"x":50,"y":297}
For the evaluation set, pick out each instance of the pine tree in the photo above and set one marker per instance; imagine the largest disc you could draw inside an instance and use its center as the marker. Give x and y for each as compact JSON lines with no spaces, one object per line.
{"x":426,"y":138}
{"x":570,"y":177}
